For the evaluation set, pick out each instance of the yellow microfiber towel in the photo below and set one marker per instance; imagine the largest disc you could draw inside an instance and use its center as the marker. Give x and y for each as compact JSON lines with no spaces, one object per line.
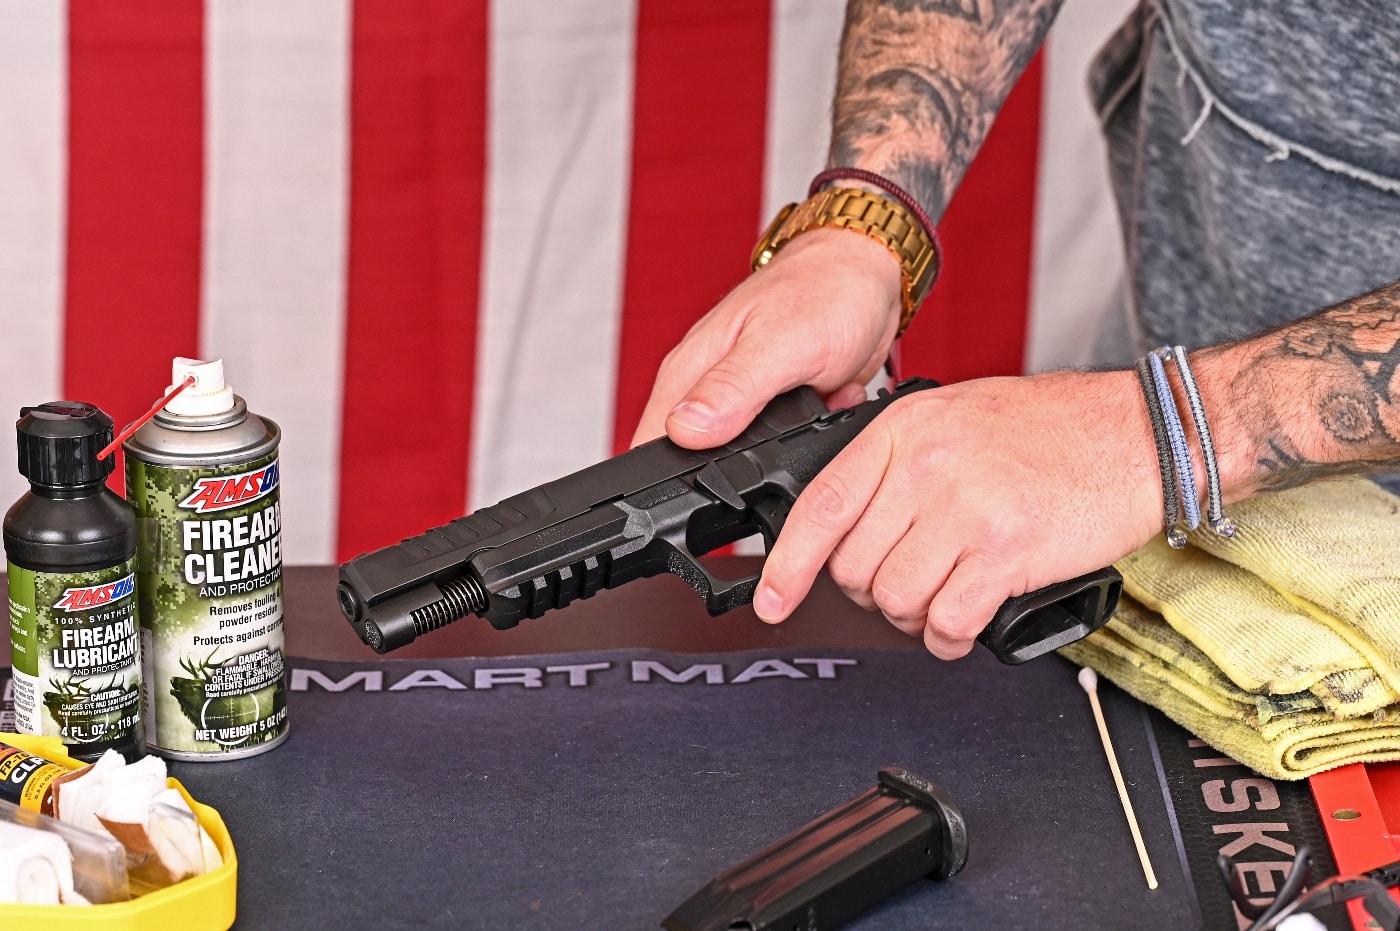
{"x":1257,"y":637}
{"x":1279,"y":736}
{"x":1279,"y":647}
{"x":1332,"y":549}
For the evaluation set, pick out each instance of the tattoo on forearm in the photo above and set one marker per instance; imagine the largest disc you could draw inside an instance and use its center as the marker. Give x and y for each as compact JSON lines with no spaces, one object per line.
{"x":921,"y":81}
{"x":1325,"y":392}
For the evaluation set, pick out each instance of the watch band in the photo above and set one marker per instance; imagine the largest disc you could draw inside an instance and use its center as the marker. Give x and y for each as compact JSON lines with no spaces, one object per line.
{"x":878,"y":217}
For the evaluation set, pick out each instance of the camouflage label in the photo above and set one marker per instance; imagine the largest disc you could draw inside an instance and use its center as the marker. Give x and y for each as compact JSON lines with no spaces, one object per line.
{"x":75,"y":647}
{"x":209,"y":580}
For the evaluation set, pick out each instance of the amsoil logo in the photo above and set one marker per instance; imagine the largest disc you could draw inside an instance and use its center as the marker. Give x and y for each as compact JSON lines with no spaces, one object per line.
{"x":221,"y":492}
{"x":95,"y":596}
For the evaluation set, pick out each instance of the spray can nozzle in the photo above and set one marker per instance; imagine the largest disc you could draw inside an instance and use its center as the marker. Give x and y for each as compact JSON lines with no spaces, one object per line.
{"x":208,"y":395}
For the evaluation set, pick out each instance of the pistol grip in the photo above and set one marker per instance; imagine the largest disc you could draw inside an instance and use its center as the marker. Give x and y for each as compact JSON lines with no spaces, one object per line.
{"x":1048,"y":618}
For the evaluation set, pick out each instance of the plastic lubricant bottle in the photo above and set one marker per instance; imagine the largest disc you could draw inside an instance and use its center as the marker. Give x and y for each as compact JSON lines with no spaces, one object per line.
{"x":203,"y":477}
{"x":27,"y":780}
{"x":70,"y":545}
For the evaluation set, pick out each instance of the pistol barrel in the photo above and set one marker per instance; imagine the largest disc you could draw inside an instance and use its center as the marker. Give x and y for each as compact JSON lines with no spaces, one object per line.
{"x":398,"y":621}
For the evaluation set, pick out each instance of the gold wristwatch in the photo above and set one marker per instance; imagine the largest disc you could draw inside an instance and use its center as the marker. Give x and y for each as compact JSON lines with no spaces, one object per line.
{"x":882,"y":219}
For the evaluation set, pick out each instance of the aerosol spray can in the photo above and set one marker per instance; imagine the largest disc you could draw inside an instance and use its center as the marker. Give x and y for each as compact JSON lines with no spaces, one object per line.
{"x":203,"y":477}
{"x":70,"y":544}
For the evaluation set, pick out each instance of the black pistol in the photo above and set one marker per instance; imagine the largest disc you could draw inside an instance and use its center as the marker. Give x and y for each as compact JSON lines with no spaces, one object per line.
{"x":657,"y":508}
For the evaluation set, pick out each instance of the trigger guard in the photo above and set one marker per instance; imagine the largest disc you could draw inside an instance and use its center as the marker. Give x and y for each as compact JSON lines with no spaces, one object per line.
{"x":720,"y":595}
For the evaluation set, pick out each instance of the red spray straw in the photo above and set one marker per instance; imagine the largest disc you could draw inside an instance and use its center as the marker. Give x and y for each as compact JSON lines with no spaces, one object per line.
{"x":136,"y":424}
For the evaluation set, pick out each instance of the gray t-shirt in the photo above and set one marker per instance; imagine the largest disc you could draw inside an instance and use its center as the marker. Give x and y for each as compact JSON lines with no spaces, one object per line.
{"x":1254,"y":148}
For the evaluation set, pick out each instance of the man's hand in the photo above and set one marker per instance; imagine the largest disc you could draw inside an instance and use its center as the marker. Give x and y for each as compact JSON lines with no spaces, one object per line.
{"x":955,"y":499}
{"x":823,"y":313}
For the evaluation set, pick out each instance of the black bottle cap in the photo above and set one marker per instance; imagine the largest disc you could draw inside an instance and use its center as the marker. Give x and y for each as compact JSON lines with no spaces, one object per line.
{"x":59,"y":442}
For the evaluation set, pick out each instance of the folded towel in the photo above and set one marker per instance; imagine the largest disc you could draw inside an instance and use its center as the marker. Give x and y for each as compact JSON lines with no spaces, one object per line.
{"x":1331,"y":549}
{"x":1279,"y":736}
{"x":1279,"y":647}
{"x":1263,"y":641}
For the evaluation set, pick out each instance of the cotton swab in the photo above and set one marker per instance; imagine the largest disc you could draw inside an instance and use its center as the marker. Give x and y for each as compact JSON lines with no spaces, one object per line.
{"x":1089,"y":680}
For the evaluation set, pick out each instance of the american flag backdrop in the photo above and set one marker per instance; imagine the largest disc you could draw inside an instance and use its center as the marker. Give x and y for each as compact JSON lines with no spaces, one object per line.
{"x":445,"y":243}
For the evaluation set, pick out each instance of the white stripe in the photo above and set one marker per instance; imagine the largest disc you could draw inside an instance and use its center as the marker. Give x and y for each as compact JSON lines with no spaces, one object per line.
{"x":275,"y":236}
{"x":557,"y":192}
{"x":801,"y":85}
{"x":806,"y":39}
{"x":33,"y":166}
{"x":1078,"y":264}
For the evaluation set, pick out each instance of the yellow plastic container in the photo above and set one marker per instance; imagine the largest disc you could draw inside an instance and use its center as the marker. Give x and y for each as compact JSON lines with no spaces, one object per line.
{"x":203,"y":903}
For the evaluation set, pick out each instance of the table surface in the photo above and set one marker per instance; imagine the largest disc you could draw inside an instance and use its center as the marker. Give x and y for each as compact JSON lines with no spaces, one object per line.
{"x":594,"y":767}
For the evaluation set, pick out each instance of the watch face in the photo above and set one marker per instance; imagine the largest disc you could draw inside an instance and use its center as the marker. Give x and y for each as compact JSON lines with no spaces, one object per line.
{"x":767,"y":247}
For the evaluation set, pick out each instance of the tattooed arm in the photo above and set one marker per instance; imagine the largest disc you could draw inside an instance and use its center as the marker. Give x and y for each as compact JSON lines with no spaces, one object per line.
{"x":1311,"y":399}
{"x":919,"y":84}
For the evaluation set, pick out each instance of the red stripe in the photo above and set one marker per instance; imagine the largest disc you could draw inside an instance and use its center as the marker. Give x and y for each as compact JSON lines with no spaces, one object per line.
{"x":700,"y":109}
{"x":135,"y":197}
{"x":974,"y":324}
{"x":417,"y":167}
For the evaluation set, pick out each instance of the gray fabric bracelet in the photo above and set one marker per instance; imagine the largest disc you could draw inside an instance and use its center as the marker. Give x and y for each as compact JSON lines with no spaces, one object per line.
{"x":1165,"y":467}
{"x":1215,"y":503}
{"x":1181,"y":454}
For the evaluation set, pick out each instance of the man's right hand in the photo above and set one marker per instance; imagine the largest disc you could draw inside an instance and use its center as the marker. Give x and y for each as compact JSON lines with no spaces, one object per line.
{"x":823,"y":312}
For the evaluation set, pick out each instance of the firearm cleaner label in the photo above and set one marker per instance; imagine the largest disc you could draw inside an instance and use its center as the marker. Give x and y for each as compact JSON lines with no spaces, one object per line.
{"x":210,"y":585}
{"x":77,"y":654}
